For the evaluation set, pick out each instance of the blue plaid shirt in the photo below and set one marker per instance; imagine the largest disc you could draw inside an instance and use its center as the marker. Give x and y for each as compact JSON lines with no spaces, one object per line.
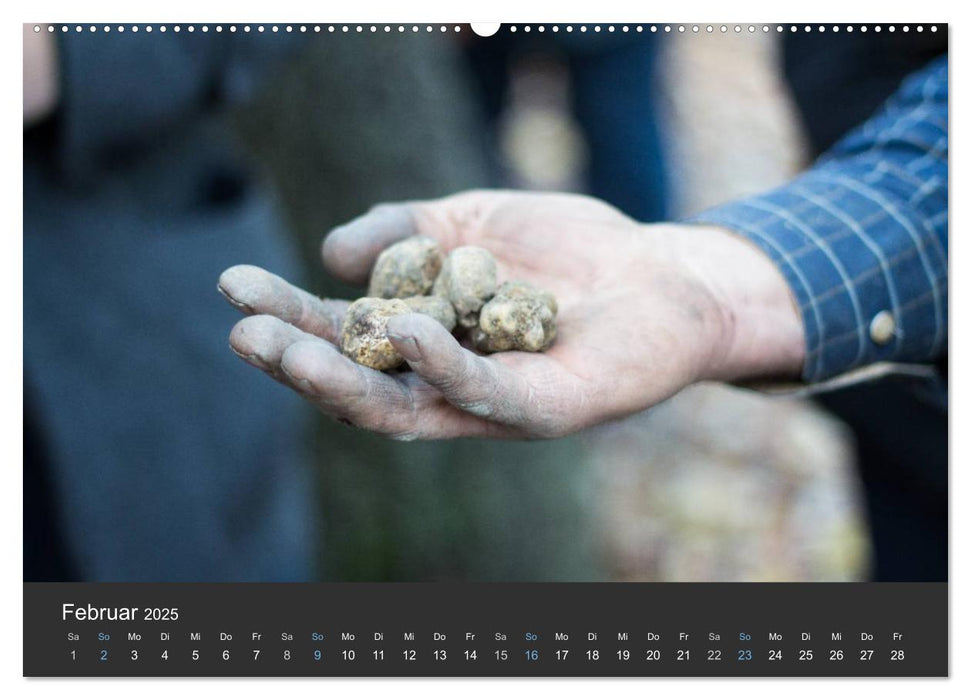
{"x":861,"y":238}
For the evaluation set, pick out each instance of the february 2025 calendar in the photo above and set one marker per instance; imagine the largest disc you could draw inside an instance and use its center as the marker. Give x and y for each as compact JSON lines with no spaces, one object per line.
{"x":516,"y":349}
{"x":487,"y":630}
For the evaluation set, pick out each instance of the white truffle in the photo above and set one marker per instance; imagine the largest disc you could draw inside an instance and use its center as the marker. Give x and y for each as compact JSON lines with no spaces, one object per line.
{"x":468,"y":280}
{"x":364,"y":336}
{"x":436,"y":307}
{"x":408,"y":268}
{"x":519,"y":317}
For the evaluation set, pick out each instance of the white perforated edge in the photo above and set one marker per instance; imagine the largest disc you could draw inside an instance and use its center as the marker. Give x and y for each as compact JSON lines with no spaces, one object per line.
{"x":701,"y":29}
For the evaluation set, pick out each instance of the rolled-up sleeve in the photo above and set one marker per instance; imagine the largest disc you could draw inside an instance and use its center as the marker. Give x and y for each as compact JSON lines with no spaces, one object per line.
{"x":861,"y":237}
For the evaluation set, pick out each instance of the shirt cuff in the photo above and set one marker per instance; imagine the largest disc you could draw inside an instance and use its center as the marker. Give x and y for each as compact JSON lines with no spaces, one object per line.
{"x":865,"y":289}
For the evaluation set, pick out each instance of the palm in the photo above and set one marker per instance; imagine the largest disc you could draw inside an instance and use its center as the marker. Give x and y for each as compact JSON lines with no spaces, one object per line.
{"x":623,"y":317}
{"x":602,"y":297}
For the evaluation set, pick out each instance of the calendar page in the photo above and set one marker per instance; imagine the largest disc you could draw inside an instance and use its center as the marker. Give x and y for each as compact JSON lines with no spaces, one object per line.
{"x":473,"y":350}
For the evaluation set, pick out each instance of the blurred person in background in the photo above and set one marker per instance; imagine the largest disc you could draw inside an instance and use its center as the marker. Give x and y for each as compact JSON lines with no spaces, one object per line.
{"x":148,"y":454}
{"x":611,"y":95}
{"x":827,"y":280}
{"x":416,"y":511}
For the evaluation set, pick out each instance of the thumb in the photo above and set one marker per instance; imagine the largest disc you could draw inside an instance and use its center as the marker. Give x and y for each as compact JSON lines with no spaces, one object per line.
{"x":349,"y":251}
{"x":478,"y":385}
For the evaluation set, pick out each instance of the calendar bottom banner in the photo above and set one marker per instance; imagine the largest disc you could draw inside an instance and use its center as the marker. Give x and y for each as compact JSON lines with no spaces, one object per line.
{"x":486,"y":629}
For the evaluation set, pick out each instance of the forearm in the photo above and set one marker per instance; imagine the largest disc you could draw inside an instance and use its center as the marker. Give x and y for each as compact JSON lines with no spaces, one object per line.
{"x":861,"y":238}
{"x":760,"y":333}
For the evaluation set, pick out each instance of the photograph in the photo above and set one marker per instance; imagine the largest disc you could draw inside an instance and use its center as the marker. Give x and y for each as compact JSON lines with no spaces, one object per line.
{"x":547,"y":303}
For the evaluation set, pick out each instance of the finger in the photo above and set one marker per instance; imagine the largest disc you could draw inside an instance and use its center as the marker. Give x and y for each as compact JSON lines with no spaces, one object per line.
{"x":394,"y":406}
{"x":253,"y":290}
{"x":349,"y":251}
{"x":321,"y":374}
{"x":262,"y":340}
{"x":478,"y":385}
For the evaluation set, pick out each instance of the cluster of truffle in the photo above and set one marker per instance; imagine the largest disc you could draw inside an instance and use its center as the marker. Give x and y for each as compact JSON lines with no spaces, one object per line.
{"x":460,"y":291}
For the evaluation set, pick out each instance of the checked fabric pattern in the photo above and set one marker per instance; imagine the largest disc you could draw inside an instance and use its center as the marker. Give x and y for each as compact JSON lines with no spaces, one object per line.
{"x":861,"y":237}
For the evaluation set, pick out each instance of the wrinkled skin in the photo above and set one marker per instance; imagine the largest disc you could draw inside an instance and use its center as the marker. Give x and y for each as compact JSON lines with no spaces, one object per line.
{"x":643,"y":312}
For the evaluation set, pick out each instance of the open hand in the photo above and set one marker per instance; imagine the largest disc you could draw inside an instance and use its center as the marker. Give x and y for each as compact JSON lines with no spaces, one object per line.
{"x":643,"y":312}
